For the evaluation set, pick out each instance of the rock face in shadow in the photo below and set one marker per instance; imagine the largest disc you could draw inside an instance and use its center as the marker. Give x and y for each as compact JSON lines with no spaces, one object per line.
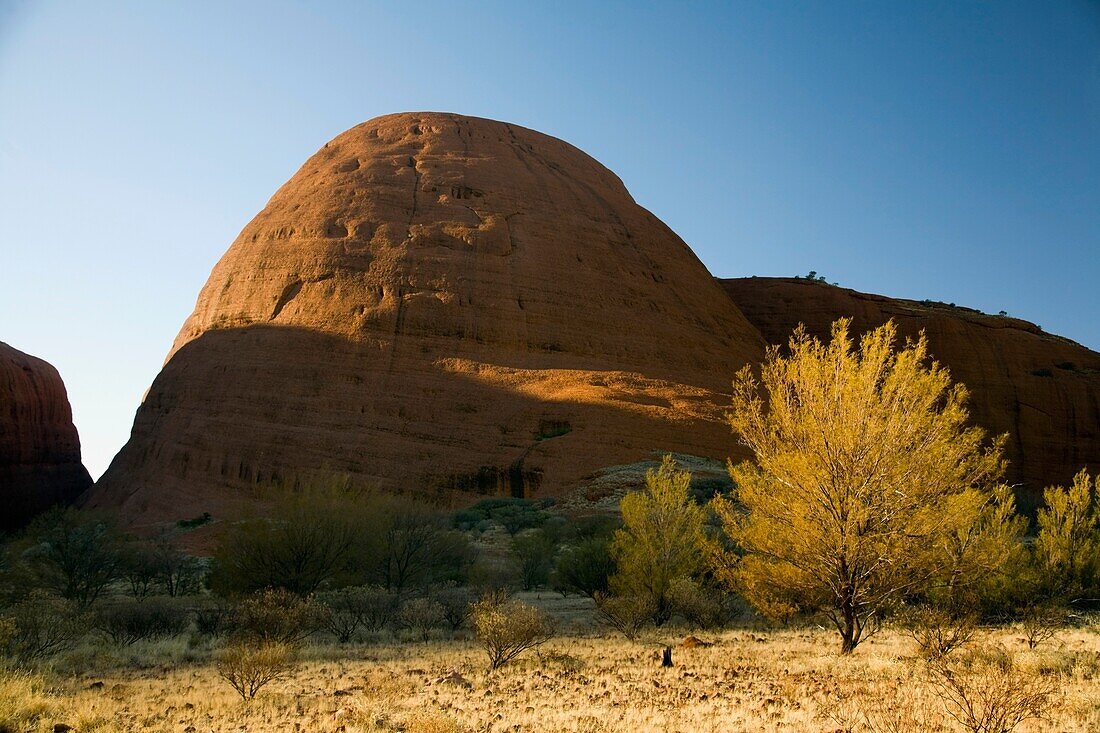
{"x":1041,"y":389}
{"x":437,"y":303}
{"x":39,"y":447}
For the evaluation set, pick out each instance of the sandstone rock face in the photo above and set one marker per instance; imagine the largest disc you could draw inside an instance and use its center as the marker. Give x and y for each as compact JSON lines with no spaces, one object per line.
{"x":1043,"y":390}
{"x":436,"y":303}
{"x":39,"y":448}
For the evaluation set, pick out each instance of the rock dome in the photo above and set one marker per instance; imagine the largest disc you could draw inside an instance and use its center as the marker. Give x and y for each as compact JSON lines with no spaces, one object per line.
{"x":436,"y":303}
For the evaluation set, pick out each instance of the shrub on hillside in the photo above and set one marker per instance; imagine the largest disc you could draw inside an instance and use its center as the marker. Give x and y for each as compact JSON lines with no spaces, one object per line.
{"x":125,"y":622}
{"x":276,"y":616}
{"x":513,"y":514}
{"x":507,"y":627}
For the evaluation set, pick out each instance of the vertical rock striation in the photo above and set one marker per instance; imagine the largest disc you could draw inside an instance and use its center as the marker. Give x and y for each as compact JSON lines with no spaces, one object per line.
{"x":39,"y":447}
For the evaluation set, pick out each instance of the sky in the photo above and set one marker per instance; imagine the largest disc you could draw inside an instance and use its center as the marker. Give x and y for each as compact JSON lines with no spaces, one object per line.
{"x":942,"y":150}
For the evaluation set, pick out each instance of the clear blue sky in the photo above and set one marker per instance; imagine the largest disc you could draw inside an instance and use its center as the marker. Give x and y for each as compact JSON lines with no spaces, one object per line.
{"x":919,"y":149}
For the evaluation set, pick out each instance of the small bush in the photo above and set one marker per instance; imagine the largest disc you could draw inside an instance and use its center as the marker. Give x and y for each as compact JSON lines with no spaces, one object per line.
{"x":211,"y":619}
{"x":42,"y":625}
{"x":348,"y":610}
{"x":421,"y":616}
{"x":195,"y":522}
{"x":127,"y":622}
{"x":532,"y":551}
{"x":700,"y":606}
{"x":508,"y":627}
{"x":276,"y":616}
{"x":585,"y":567}
{"x":455,"y":602}
{"x":985,"y":692}
{"x":1041,"y":623}
{"x":938,"y":633}
{"x":488,"y":576}
{"x":250,"y":666}
{"x":626,"y":614}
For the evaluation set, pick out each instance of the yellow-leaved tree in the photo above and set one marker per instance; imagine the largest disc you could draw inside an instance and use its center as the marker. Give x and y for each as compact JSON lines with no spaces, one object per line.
{"x":1068,"y":543}
{"x":866,"y":474}
{"x":661,"y":540}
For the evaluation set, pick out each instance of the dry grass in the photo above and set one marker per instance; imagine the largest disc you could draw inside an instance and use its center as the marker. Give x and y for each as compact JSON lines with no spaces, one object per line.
{"x":746,"y":681}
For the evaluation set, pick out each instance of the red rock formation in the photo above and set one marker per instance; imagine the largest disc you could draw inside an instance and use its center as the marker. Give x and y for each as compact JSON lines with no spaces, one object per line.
{"x":39,"y":448}
{"x":437,"y":303}
{"x":1043,"y":390}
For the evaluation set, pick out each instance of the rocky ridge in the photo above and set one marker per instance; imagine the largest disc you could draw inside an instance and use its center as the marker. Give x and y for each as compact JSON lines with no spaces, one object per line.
{"x":1042,"y":390}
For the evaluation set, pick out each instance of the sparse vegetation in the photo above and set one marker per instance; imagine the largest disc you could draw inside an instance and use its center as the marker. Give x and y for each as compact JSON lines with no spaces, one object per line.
{"x":507,"y":628}
{"x":870,"y":494}
{"x":986,"y":691}
{"x":938,"y":633}
{"x":128,"y":621}
{"x":276,"y":615}
{"x":248,"y":667}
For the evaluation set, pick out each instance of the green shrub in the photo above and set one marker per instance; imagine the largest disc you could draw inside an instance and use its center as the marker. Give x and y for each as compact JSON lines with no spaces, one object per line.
{"x":421,"y":616}
{"x":626,"y":614}
{"x":455,"y":602}
{"x":700,"y":605}
{"x":195,"y":522}
{"x":211,"y":618}
{"x":585,"y":568}
{"x":42,"y":625}
{"x":533,"y":553}
{"x":128,"y":621}
{"x":276,"y":616}
{"x":74,"y":554}
{"x":514,"y":514}
{"x":507,"y":627}
{"x":347,"y":610}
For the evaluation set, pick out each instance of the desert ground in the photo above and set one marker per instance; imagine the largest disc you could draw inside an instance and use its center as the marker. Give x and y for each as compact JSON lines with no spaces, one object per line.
{"x":585,"y":680}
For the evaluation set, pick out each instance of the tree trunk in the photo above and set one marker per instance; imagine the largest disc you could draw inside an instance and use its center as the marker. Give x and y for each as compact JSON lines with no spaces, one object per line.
{"x":850,"y":628}
{"x":666,"y":657}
